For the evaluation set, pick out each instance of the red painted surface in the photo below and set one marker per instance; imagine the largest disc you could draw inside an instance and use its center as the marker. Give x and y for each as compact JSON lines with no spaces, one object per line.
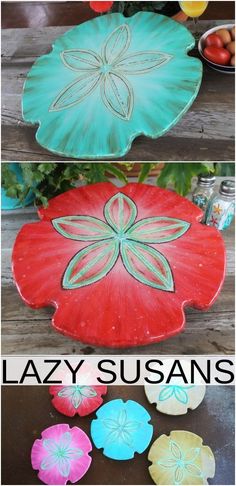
{"x":118,"y":310}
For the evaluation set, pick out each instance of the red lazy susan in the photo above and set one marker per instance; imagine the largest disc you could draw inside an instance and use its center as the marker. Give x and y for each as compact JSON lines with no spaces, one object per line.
{"x":119,"y":264}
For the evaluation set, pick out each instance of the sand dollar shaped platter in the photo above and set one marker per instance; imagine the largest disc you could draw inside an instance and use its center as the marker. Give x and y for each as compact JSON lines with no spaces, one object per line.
{"x":119,"y":265}
{"x":109,"y":80}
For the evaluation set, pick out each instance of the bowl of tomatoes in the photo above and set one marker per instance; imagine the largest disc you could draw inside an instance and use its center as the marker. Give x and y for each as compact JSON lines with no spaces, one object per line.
{"x":217,"y":48}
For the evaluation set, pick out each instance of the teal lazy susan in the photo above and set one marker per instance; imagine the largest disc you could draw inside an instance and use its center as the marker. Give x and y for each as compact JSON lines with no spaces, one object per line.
{"x":109,"y":80}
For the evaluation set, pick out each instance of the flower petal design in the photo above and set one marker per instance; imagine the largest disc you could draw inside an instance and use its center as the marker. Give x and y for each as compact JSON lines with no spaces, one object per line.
{"x":193,"y":470}
{"x":68,"y":391}
{"x":166,"y":393}
{"x":175,"y":450}
{"x":117,"y":95}
{"x":132,"y":425}
{"x":142,"y":62}
{"x":179,"y":474}
{"x":116,"y":44}
{"x":82,"y":228}
{"x":147,"y":265}
{"x":158,"y":229}
{"x":91,"y":264}
{"x":126,"y":438}
{"x":81,"y":60}
{"x":110,"y":424}
{"x":50,"y":445}
{"x":88,"y":391}
{"x":120,"y":212}
{"x":181,"y":394}
{"x":48,"y":462}
{"x":76,"y":91}
{"x":65,"y":439}
{"x":64,"y":467}
{"x":167,"y":463}
{"x":122,"y":418}
{"x":76,"y":399}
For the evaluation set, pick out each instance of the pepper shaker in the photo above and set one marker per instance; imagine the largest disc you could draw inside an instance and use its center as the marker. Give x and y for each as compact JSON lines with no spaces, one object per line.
{"x":220,"y":211}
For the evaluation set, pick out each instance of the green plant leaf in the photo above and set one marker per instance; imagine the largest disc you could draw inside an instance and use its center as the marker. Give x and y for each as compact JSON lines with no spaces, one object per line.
{"x":180,"y":175}
{"x":145,"y":170}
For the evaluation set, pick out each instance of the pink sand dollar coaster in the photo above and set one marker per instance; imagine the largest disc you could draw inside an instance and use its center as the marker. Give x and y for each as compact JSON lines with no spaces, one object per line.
{"x":77,"y":399}
{"x":61,"y":455}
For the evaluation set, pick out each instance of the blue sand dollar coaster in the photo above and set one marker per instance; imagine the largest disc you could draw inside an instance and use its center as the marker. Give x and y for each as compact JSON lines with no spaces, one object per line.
{"x":121,"y":429}
{"x":109,"y":80}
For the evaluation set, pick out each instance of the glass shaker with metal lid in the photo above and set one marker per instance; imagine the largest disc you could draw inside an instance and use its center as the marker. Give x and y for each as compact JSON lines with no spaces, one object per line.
{"x":204,"y":190}
{"x":221,"y":208}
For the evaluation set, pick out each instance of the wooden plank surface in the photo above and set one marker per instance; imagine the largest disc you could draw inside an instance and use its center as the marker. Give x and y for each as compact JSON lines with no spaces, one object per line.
{"x":26,"y":331}
{"x":206,"y":132}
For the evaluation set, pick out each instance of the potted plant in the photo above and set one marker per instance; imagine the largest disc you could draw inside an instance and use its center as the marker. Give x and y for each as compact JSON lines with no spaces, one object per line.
{"x":42,"y":181}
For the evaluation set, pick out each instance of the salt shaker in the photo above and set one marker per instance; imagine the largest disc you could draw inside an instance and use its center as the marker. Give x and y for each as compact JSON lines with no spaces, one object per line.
{"x":220,"y":211}
{"x":204,"y":190}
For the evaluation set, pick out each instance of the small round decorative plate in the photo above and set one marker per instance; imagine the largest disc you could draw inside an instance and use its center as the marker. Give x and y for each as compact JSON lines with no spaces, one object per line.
{"x":109,"y":80}
{"x":121,"y":429}
{"x":176,"y":398}
{"x":77,"y":399}
{"x":119,"y":265}
{"x":181,"y":458}
{"x":61,"y":455}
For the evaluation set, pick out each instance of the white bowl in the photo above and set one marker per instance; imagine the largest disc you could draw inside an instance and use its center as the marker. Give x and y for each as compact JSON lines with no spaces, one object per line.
{"x":201,"y":46}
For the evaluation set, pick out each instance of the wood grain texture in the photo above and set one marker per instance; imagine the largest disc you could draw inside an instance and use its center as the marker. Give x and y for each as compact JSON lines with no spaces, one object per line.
{"x":206,"y":132}
{"x":26,"y":331}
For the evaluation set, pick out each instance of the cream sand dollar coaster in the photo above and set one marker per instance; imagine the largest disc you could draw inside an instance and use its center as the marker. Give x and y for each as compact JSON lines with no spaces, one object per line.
{"x":175,"y":399}
{"x":181,"y":458}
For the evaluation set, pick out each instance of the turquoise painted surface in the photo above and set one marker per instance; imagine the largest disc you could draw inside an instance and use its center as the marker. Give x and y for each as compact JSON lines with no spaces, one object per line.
{"x":121,"y":429}
{"x":110,"y":80}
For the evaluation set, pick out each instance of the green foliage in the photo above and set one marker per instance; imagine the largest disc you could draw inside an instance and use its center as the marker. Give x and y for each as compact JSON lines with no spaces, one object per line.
{"x":179,"y":175}
{"x":47,"y":180}
{"x":131,"y":8}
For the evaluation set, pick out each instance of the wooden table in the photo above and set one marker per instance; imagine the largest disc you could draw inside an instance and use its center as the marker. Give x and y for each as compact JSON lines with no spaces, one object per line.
{"x":28,"y":331}
{"x":206,"y":132}
{"x":213,"y":420}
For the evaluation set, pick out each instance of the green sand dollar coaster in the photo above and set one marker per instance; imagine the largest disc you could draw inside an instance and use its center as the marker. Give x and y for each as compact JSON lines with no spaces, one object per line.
{"x":109,"y":80}
{"x":181,"y":458}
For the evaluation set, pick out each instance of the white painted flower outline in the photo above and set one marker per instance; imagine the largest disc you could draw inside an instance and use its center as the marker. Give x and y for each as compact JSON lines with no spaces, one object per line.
{"x":60,"y":454}
{"x":121,"y":429}
{"x":76,"y":393}
{"x":109,"y":71}
{"x":178,"y":460}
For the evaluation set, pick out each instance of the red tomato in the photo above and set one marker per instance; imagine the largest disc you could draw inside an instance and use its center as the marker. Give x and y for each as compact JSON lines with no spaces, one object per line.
{"x":218,"y":55}
{"x":214,"y":40}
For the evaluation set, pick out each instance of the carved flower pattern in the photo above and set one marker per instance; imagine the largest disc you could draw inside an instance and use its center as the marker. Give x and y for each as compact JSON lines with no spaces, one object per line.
{"x":61,"y":454}
{"x":179,"y":392}
{"x":121,"y":429}
{"x":120,"y":235}
{"x":181,"y":458}
{"x":109,"y":71}
{"x":77,"y":399}
{"x":181,"y":463}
